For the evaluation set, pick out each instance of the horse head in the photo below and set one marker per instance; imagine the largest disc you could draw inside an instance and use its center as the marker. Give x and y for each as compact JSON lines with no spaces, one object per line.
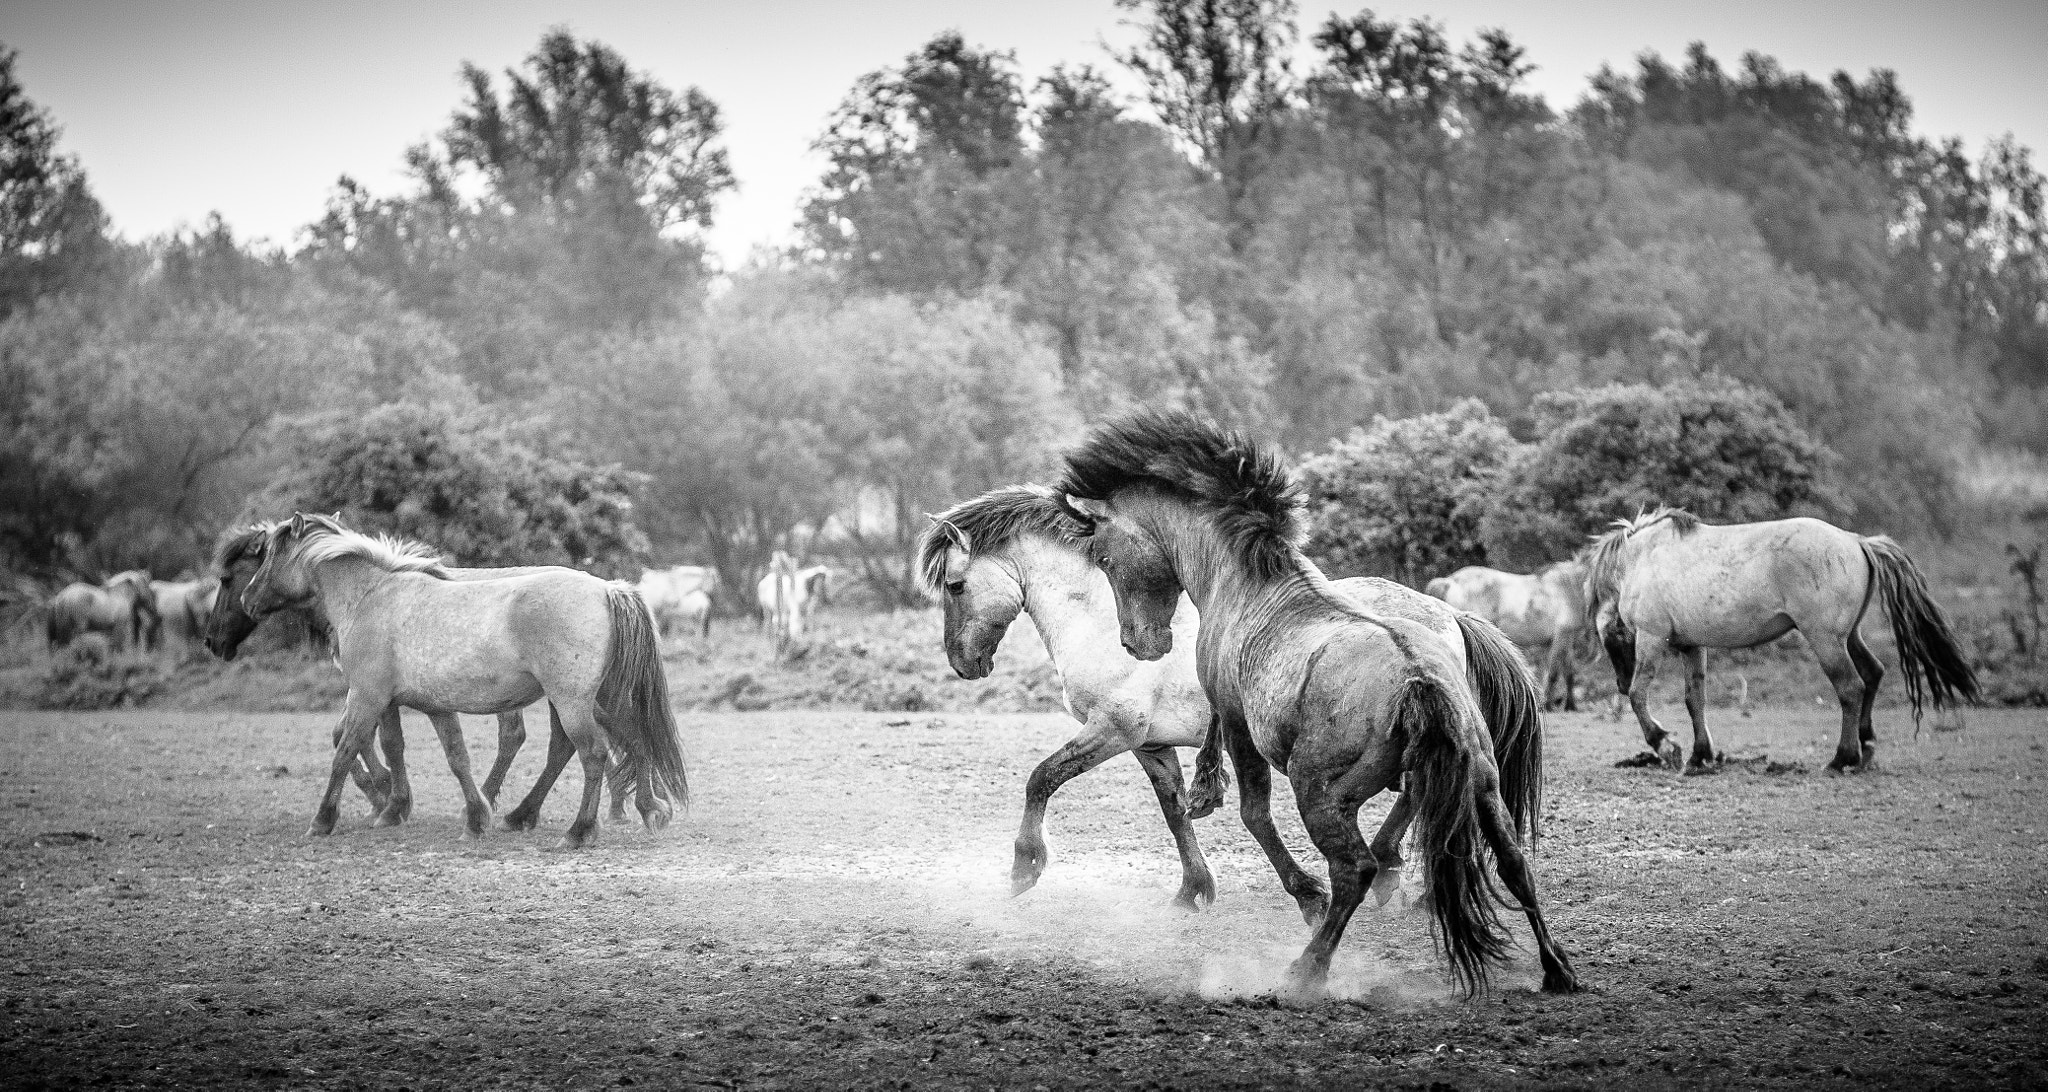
{"x":981,"y":597}
{"x":1140,"y":573}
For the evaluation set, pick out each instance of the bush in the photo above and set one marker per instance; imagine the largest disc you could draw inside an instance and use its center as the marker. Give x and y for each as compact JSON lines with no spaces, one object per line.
{"x":87,"y":674}
{"x":1402,"y":498}
{"x":1724,"y":451}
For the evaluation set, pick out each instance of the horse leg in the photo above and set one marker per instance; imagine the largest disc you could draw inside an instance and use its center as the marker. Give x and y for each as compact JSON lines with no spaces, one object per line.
{"x":368,"y":774}
{"x":1386,"y":849}
{"x":1704,"y":755}
{"x":1255,"y":808}
{"x":478,"y":811}
{"x":359,"y":718}
{"x":527,"y":815}
{"x":1330,"y":812}
{"x":1544,"y":676}
{"x":1162,"y":765}
{"x":391,"y":736}
{"x":618,"y":786}
{"x":1872,"y":671}
{"x":511,"y":737}
{"x":1513,"y":866}
{"x":1840,"y":665}
{"x":1635,"y":683}
{"x":1561,"y":650}
{"x":1099,"y":741}
{"x":579,"y":722}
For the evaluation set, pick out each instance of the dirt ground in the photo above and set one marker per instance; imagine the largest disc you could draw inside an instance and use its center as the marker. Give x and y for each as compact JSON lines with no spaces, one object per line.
{"x":834,"y":912}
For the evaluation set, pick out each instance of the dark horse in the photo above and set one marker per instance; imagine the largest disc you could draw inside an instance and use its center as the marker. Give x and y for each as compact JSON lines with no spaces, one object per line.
{"x":1344,"y":701}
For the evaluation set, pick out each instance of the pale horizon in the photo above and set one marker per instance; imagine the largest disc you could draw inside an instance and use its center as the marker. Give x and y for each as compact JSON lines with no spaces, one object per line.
{"x":252,"y":110}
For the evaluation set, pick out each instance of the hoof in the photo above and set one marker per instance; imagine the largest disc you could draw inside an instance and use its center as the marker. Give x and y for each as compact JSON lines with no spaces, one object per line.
{"x":1306,"y":982}
{"x":1561,"y":982}
{"x":1385,"y":884}
{"x":320,"y":830}
{"x":1020,"y":884}
{"x":1314,"y":907}
{"x":655,"y":820}
{"x":1673,"y":755}
{"x":1195,"y":894}
{"x":519,"y":821}
{"x":573,"y":840}
{"x":387,"y":818}
{"x":1201,"y":809}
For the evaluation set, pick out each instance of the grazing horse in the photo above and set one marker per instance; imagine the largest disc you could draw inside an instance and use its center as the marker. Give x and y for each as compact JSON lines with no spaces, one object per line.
{"x":227,"y":625}
{"x":181,"y":610}
{"x":122,"y":608}
{"x":1665,"y":580}
{"x":1543,"y":610}
{"x":1016,"y":550}
{"x":681,"y":595}
{"x":805,"y":590}
{"x":406,"y":634}
{"x":1345,"y":701}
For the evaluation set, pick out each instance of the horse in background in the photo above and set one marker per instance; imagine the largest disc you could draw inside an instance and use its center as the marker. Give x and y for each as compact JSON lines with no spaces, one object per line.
{"x":181,"y":610}
{"x":1544,"y":613}
{"x":680,"y":596}
{"x":1345,"y":701}
{"x":123,"y":609}
{"x":1015,"y":550}
{"x":406,"y":634}
{"x":804,"y":590}
{"x":1666,"y":580}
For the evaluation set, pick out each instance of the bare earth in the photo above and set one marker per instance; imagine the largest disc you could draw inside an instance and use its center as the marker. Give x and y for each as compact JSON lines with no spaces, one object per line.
{"x":834,"y":913}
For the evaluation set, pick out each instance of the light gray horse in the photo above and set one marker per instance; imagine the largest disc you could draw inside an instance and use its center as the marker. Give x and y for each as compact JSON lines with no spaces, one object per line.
{"x":1543,"y":612}
{"x":405,"y":634}
{"x":1344,"y":701}
{"x":122,"y":608}
{"x":680,"y":595}
{"x":181,"y":610}
{"x":1015,"y":550}
{"x":1665,"y":580}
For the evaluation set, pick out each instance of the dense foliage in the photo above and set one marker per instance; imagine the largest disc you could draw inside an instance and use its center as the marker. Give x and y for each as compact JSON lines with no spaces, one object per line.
{"x":1769,"y":264}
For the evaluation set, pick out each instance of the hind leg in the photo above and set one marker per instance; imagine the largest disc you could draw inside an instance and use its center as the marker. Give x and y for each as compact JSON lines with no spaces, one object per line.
{"x":654,"y":808}
{"x":1100,"y":740}
{"x":527,"y":815}
{"x":1513,"y":866}
{"x":579,"y":723}
{"x":511,"y":737}
{"x":359,"y":719}
{"x":1703,"y":753}
{"x":1330,"y":812}
{"x":614,"y":775}
{"x":391,"y":736}
{"x":1840,"y":665}
{"x":477,"y":812}
{"x":1635,"y":667}
{"x":1197,"y":886}
{"x":1386,"y":849}
{"x":1255,"y":807}
{"x":1872,"y":671}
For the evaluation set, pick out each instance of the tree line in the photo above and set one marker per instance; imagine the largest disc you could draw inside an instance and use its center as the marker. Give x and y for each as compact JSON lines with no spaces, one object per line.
{"x":524,"y":355}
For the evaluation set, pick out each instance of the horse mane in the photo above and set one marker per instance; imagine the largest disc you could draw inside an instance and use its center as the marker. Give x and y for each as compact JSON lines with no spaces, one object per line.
{"x":1244,"y":486}
{"x":239,"y":542}
{"x":990,"y":522}
{"x":1603,"y":556}
{"x":325,"y":539}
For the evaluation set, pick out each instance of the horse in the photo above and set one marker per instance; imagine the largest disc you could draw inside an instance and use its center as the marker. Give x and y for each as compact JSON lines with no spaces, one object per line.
{"x":1015,"y":550}
{"x":680,"y":594}
{"x":1543,"y":610}
{"x":226,"y":625}
{"x":1343,"y":700}
{"x":406,"y":634}
{"x":1666,"y":580}
{"x":781,"y":606}
{"x":181,"y":610}
{"x":805,"y":590}
{"x":122,"y":608}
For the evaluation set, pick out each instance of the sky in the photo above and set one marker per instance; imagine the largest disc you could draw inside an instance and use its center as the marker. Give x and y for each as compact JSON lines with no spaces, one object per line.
{"x":179,"y":108}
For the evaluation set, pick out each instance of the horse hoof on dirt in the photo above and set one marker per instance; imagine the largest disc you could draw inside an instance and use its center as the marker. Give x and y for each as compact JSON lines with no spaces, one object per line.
{"x":519,"y":821}
{"x":319,"y":830}
{"x":1384,"y":885}
{"x":1304,"y":984}
{"x":1020,"y":883}
{"x":1673,"y":756}
{"x":573,"y":840}
{"x":1561,"y":982}
{"x":655,"y":820}
{"x":1196,"y":894}
{"x":386,"y":818}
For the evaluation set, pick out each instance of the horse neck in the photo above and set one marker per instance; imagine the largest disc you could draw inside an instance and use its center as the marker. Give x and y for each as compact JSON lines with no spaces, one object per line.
{"x":1215,"y":577}
{"x":339,"y":585}
{"x":1069,"y":603}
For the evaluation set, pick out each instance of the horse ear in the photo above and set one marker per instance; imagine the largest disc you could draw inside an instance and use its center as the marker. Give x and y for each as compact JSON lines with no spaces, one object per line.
{"x":298,"y":524}
{"x":1082,"y":509}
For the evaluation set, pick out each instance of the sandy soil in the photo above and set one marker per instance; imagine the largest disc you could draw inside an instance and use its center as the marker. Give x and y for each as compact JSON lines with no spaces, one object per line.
{"x":835,"y":913}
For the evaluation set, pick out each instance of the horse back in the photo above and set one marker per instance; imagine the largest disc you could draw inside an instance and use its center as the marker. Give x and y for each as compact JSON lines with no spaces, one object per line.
{"x":419,"y":633}
{"x":1731,"y":585}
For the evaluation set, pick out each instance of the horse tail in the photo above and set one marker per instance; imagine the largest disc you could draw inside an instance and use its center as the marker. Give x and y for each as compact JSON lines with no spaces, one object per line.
{"x":1205,"y":792}
{"x":1442,"y":776}
{"x":1928,"y":651}
{"x":632,"y":696}
{"x":1514,"y":715}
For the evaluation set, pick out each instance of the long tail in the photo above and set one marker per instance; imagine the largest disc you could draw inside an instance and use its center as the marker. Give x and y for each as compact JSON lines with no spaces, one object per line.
{"x":1441,"y":766}
{"x":1514,"y":714}
{"x":1205,"y":792}
{"x":632,"y":697}
{"x":1928,"y":652}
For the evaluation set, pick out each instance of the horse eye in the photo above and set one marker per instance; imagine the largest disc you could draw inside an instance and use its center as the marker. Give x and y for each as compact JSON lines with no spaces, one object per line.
{"x":956,"y":587}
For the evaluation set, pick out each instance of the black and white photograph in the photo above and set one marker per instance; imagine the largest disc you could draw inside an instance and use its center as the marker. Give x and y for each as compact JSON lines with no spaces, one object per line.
{"x":1154,"y":544}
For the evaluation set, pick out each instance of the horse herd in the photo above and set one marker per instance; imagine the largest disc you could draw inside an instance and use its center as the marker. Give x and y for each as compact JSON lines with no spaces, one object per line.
{"x":1164,"y":577}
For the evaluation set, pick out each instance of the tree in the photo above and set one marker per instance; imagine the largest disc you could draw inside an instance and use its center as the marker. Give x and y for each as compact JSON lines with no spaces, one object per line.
{"x":1723,"y":451}
{"x":487,"y":488}
{"x":1401,"y":498}
{"x":52,"y":230}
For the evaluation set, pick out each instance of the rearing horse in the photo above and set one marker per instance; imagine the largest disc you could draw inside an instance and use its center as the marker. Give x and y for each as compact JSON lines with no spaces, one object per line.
{"x":405,"y":634}
{"x":1342,"y":700}
{"x":1665,"y":580}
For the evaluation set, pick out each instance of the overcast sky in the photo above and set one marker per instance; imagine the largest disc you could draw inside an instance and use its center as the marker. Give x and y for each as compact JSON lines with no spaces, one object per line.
{"x":253,"y":109}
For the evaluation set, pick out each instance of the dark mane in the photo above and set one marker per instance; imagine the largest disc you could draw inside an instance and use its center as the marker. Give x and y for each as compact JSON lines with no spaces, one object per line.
{"x":1245,"y":486}
{"x":237,"y":543}
{"x":990,"y":522}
